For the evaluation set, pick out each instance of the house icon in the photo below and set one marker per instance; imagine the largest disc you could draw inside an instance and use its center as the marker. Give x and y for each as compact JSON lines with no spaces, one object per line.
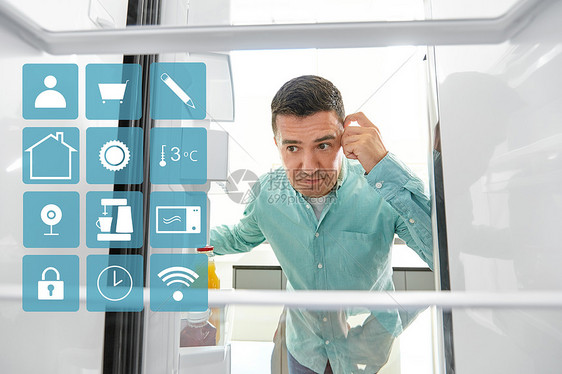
{"x":50,"y":158}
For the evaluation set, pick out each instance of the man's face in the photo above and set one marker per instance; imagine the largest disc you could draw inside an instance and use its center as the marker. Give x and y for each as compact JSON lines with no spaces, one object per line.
{"x":310,"y":148}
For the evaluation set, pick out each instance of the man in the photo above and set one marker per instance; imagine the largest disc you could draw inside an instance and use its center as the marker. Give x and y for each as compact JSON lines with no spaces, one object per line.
{"x":331,"y":221}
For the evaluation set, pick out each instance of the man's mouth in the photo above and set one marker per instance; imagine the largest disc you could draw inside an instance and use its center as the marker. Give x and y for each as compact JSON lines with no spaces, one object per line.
{"x":311,"y":180}
{"x":314,"y":180}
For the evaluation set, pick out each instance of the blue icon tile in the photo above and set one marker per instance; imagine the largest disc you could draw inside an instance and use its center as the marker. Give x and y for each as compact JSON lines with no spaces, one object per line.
{"x":50,"y":283}
{"x":51,"y":219}
{"x":114,"y":219}
{"x":178,"y":90}
{"x":114,"y":155}
{"x":114,"y":283}
{"x":178,"y":219}
{"x":51,"y":155}
{"x":113,"y":91}
{"x":178,"y":282}
{"x":50,"y":91}
{"x":179,"y":155}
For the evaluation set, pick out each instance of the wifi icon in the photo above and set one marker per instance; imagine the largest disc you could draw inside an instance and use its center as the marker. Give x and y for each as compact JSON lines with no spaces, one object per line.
{"x":178,"y":282}
{"x":178,"y":274}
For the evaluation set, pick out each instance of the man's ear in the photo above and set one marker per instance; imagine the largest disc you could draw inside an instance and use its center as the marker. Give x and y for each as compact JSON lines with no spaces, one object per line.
{"x":275,"y":140}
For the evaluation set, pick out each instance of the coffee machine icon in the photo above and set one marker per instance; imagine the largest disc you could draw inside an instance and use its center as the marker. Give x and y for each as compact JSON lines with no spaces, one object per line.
{"x":123,"y":227}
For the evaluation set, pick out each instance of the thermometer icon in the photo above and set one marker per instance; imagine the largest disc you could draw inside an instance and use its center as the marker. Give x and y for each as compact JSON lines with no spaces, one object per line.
{"x":162,"y":156}
{"x":172,"y":85}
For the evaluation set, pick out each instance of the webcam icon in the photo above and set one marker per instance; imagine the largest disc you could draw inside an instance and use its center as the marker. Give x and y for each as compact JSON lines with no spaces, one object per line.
{"x":51,"y":214}
{"x":59,"y":211}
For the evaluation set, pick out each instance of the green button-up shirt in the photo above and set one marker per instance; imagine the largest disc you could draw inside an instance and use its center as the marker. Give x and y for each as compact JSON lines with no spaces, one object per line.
{"x":347,"y":248}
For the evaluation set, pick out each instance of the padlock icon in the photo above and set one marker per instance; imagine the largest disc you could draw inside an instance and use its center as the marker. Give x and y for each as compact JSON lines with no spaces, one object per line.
{"x":50,"y":289}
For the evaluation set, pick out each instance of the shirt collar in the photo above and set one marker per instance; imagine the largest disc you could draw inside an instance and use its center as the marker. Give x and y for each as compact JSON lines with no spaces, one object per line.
{"x":343,"y":173}
{"x":342,"y":176}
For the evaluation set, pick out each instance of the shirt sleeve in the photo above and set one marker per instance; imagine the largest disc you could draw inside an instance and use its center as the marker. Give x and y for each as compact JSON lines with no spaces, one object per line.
{"x":238,"y":238}
{"x":404,"y":191}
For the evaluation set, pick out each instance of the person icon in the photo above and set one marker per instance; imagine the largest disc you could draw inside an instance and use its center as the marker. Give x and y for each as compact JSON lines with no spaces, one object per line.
{"x":50,"y":98}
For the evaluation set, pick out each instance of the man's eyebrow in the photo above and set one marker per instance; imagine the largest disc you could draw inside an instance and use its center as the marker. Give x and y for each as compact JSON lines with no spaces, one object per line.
{"x":290,"y":142}
{"x":324,"y":138}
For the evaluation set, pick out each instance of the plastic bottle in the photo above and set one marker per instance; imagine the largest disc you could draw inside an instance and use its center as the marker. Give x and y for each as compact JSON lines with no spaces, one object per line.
{"x":214,"y":283}
{"x":199,"y":331}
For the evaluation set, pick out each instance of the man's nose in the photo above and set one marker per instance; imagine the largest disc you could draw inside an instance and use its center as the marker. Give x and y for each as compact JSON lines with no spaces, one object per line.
{"x":309,"y":162}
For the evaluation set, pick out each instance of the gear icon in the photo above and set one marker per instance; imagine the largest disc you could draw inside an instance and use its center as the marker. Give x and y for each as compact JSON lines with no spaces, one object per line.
{"x":114,"y":155}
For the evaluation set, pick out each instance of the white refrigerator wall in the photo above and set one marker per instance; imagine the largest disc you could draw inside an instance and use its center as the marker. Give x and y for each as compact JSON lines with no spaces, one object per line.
{"x":33,"y":342}
{"x":501,"y":133}
{"x":42,"y":342}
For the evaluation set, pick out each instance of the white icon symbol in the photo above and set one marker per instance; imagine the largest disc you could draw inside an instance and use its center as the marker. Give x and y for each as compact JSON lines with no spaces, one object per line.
{"x":162,"y":156}
{"x":51,"y":215}
{"x":114,"y":155}
{"x":116,"y":275}
{"x":50,"y":98}
{"x":178,"y":219}
{"x":177,"y":90}
{"x":53,"y":152}
{"x":123,"y":226}
{"x":178,"y":274}
{"x":50,"y":290}
{"x":112,"y":91}
{"x":176,"y":155}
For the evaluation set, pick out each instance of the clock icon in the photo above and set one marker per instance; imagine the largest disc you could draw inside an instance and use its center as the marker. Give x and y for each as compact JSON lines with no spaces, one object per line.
{"x":115,"y":283}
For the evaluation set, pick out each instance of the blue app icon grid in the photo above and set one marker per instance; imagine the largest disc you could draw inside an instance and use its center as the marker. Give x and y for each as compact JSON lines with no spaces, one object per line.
{"x":51,"y":219}
{"x":179,"y":155}
{"x":178,"y":90}
{"x":38,"y":274}
{"x":113,"y":91}
{"x":50,"y":155}
{"x":178,"y":282}
{"x":178,"y":219}
{"x":114,"y":283}
{"x":114,"y":155}
{"x":114,"y":219}
{"x":50,"y":91}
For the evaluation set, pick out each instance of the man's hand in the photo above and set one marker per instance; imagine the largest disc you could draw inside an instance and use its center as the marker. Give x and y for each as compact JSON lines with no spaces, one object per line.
{"x":362,"y":142}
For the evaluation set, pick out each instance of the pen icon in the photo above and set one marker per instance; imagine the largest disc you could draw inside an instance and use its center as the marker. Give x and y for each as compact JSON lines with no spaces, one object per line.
{"x":183,"y":96}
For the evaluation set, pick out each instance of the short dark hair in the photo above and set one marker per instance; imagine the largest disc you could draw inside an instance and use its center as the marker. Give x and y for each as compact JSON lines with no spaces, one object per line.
{"x":304,"y":96}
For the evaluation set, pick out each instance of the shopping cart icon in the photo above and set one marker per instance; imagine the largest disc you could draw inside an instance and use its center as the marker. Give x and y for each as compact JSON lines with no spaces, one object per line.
{"x":112,"y":91}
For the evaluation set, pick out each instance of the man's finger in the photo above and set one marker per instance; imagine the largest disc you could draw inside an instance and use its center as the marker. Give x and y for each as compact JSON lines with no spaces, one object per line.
{"x":355,"y":130}
{"x":349,"y":150}
{"x":350,"y":155}
{"x":351,"y":138}
{"x":359,"y":118}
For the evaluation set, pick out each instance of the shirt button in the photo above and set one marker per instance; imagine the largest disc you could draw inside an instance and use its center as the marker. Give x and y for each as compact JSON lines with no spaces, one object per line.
{"x":378,"y":185}
{"x":307,"y":206}
{"x":412,"y":220}
{"x":325,"y":319}
{"x":319,"y":266}
{"x":317,"y":234}
{"x":327,"y":342}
